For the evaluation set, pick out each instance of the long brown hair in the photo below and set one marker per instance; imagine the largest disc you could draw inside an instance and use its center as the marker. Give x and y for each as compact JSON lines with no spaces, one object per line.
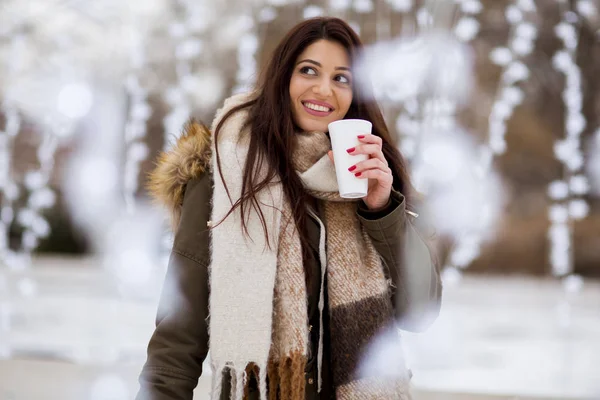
{"x":270,"y":121}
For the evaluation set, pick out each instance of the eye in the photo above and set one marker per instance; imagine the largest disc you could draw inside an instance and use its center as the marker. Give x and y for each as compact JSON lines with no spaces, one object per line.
{"x":308,"y":71}
{"x":342,"y":79}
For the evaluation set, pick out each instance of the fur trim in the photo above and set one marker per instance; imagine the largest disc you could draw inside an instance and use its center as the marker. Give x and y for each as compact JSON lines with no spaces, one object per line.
{"x":188,"y":159}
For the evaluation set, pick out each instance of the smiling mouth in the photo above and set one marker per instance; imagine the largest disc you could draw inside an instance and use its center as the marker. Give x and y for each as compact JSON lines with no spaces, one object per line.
{"x":316,"y":109}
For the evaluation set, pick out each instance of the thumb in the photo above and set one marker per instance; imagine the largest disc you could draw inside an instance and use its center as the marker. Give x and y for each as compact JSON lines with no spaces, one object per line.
{"x":330,"y":154}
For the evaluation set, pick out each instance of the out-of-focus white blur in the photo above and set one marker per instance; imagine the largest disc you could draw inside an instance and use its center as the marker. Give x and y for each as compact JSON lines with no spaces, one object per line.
{"x":431,"y":65}
{"x":593,"y":165}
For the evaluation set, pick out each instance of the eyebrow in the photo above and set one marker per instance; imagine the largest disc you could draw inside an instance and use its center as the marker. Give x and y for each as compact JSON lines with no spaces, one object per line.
{"x":318,"y":64}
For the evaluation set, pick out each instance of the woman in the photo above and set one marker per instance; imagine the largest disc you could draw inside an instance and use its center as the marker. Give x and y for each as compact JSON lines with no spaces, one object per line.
{"x":290,"y":282}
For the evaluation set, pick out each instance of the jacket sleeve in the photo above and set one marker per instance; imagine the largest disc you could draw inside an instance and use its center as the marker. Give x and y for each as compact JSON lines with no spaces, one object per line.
{"x":179,"y":343}
{"x":410,"y":264}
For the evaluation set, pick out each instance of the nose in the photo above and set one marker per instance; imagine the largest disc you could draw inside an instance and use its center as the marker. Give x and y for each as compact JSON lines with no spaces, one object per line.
{"x":323,"y":88}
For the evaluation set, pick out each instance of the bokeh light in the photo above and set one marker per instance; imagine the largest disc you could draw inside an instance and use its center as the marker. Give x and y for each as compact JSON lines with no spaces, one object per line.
{"x":75,"y":100}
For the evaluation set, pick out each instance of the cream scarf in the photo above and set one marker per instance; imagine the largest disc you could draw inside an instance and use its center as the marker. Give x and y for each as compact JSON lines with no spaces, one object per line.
{"x":258,"y":298}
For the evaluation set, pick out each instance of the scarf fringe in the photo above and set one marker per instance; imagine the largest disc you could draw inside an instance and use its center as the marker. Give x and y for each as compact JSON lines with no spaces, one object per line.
{"x":262,"y":383}
{"x":287,"y":379}
{"x":217,"y":383}
{"x":273,"y":374}
{"x":240,"y":381}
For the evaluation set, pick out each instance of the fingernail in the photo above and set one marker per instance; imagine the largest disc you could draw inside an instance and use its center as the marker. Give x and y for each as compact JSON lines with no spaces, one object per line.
{"x":361,"y":136}
{"x":358,"y":174}
{"x":351,"y":150}
{"x":352,"y":168}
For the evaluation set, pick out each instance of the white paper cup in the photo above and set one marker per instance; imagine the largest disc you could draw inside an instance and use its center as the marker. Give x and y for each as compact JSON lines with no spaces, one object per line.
{"x":344,"y":135}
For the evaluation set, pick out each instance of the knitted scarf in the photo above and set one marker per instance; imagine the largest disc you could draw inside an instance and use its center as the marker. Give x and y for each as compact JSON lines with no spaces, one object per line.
{"x":258,"y":297}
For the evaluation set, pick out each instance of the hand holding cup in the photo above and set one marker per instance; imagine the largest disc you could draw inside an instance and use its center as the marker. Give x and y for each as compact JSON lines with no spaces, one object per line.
{"x":363,"y":160}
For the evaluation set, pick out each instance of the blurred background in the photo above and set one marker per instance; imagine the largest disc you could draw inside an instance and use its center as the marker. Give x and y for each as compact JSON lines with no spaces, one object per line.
{"x":496,"y":103}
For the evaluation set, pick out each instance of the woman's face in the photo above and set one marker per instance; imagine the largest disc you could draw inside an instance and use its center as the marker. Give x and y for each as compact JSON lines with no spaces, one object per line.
{"x":321,"y":86}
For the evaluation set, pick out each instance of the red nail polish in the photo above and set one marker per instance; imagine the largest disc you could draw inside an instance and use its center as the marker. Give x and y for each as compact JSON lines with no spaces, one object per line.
{"x":352,"y":168}
{"x":361,"y":136}
{"x":351,"y":150}
{"x":358,"y":174}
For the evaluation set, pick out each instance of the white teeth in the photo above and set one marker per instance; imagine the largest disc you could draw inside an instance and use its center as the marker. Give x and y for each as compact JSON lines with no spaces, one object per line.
{"x":316,"y":107}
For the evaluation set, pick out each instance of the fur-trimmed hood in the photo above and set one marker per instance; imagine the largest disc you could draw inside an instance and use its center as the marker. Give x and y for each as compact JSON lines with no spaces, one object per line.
{"x":188,"y":159}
